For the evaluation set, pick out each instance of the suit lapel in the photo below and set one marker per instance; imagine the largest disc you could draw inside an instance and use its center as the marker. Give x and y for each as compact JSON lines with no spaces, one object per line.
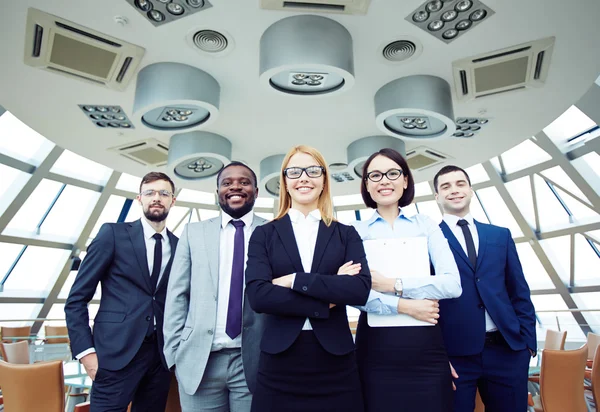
{"x":454,"y":244}
{"x":136,"y":234}
{"x":212,"y":240}
{"x":482,"y":235}
{"x":284,"y":229}
{"x":173,"y":242}
{"x":323,"y":237}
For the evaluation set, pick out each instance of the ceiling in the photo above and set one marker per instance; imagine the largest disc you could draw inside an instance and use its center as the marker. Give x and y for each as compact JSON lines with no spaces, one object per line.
{"x":261,"y":122}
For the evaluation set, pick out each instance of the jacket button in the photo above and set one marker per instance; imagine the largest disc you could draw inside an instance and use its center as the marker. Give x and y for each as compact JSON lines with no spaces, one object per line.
{"x":304,"y":288}
{"x":477,"y":279}
{"x":480,"y":306}
{"x":148,"y":318}
{"x":210,"y":332}
{"x":316,"y":314}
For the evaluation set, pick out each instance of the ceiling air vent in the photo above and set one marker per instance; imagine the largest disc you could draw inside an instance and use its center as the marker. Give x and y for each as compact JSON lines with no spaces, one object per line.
{"x":423,"y":157}
{"x":518,"y":67}
{"x":150,"y":152}
{"x":399,"y":51}
{"x":64,"y":47}
{"x":319,"y":6}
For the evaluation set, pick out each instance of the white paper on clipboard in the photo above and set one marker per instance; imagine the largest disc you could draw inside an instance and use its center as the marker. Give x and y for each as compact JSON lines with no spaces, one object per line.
{"x":399,"y":257}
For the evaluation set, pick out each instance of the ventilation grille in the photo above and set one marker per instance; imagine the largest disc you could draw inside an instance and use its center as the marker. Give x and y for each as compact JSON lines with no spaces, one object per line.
{"x":518,"y":67}
{"x":423,"y":157}
{"x":210,"y":41}
{"x":399,"y":50}
{"x":66,"y":48}
{"x":359,"y":7}
{"x":149,"y":152}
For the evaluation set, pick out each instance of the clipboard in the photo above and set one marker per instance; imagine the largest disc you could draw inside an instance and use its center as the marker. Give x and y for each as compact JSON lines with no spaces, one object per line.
{"x":406,"y":257}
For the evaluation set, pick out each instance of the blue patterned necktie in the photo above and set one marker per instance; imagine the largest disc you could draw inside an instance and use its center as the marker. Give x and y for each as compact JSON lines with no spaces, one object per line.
{"x":234,"y":309}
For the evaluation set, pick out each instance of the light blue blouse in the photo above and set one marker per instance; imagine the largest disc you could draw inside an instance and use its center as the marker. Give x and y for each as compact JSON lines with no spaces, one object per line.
{"x":446,"y":282}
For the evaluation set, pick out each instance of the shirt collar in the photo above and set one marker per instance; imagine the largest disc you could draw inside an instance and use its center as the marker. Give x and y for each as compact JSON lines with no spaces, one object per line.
{"x":297,"y":216}
{"x":376,"y":216}
{"x":247,"y":219}
{"x":452,"y":220}
{"x":149,"y":231}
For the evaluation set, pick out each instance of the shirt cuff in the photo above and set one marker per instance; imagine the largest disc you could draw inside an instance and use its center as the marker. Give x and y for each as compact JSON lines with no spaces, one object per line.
{"x":293,"y":280}
{"x":85,"y":352}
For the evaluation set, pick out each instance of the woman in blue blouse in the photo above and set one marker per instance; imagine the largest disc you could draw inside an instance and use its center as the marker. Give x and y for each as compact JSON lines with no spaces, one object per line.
{"x":405,"y":366}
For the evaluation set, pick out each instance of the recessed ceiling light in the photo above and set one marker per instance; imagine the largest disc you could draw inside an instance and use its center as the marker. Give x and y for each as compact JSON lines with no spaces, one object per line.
{"x":478,"y":15}
{"x":434,"y":6}
{"x":420,"y":16}
{"x":175,"y":8}
{"x":463,"y":5}
{"x":449,"y":15}
{"x":435,"y":25}
{"x":103,"y":116}
{"x":160,"y":12}
{"x":463,"y":24}
{"x":156,"y":15}
{"x":198,"y":155}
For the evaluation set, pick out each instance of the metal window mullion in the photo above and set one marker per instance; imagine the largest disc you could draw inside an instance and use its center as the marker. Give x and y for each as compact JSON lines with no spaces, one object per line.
{"x":536,"y":212}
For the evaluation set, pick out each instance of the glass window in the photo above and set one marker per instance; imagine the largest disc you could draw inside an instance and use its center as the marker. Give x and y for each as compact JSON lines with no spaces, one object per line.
{"x":37,"y":269}
{"x":431,"y":209}
{"x":135,"y":212}
{"x":72,"y":165}
{"x":56,"y":316}
{"x":196,"y":196}
{"x":264,"y":215}
{"x":589,"y":301}
{"x":365,"y":214}
{"x":346,"y":200}
{"x":520,"y":191}
{"x":345,"y":216}
{"x":109,"y":214}
{"x":477,"y":174}
{"x":19,"y":312}
{"x":11,"y":184}
{"x":64,"y":292}
{"x":409,"y":210}
{"x":535,"y":274}
{"x":579,"y":211}
{"x":421,"y":189}
{"x":70,"y":213}
{"x":21,"y":142}
{"x":8,"y":254}
{"x":587,"y":263}
{"x":523,"y":155}
{"x":176,"y":216}
{"x":129,"y":183}
{"x":477,"y":211}
{"x":558,"y":250}
{"x":555,"y":320}
{"x":593,"y":161}
{"x":569,"y":124}
{"x":205,"y":214}
{"x":498,"y":212}
{"x":550,"y":211}
{"x":495,"y":161}
{"x":594,"y":234}
{"x":34,"y":208}
{"x":558,"y":176}
{"x":264,"y":202}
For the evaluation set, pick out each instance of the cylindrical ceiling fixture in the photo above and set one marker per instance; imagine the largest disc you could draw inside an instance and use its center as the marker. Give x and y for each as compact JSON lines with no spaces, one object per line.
{"x":307,"y":55}
{"x":359,"y":150}
{"x":198,"y":155}
{"x":415,"y":108}
{"x":175,"y":97}
{"x":270,"y":169}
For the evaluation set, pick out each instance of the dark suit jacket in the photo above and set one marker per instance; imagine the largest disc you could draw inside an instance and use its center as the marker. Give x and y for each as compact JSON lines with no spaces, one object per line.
{"x":273,"y":252}
{"x":117,"y":259}
{"x":496,"y":284}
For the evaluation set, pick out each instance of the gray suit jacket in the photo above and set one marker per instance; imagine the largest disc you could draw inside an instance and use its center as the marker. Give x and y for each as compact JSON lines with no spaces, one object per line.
{"x":191,"y":307}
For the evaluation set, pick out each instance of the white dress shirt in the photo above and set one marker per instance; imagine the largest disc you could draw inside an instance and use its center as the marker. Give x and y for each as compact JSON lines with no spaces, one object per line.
{"x":226,"y":239}
{"x":149,"y":241}
{"x":452,"y":222}
{"x":306,"y":229}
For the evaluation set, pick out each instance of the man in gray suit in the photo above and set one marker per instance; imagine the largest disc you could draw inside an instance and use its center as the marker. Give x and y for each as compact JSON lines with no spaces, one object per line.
{"x":212,"y":336}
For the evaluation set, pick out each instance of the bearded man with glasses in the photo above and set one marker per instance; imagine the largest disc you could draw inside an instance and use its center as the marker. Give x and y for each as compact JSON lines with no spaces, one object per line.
{"x":131,"y":261}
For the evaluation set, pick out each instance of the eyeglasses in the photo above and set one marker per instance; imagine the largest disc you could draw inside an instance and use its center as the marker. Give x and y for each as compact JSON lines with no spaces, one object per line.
{"x":152,"y":193}
{"x":392,"y":174}
{"x":296,"y":172}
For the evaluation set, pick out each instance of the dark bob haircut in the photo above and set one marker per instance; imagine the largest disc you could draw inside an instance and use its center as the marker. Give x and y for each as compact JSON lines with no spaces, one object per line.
{"x":154,"y":176}
{"x":444,"y":171}
{"x":409,"y":192}
{"x":235,"y":163}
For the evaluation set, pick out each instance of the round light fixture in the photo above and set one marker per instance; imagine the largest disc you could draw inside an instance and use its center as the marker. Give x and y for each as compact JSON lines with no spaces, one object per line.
{"x":478,"y":15}
{"x":449,"y":15}
{"x":425,"y":99}
{"x":143,"y":5}
{"x":450,"y":34}
{"x":435,"y":25}
{"x":197,"y":155}
{"x":270,"y":168}
{"x":420,"y":16}
{"x":156,"y":15}
{"x":463,"y":5}
{"x":293,"y":49}
{"x":434,"y":6}
{"x":463,"y":24}
{"x":359,"y":151}
{"x":175,"y":9}
{"x":173,"y":97}
{"x":195,"y":3}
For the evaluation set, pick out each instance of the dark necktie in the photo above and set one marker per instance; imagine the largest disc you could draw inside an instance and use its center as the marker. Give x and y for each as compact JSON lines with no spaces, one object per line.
{"x":234,"y":309}
{"x":464,"y":225}
{"x":154,"y":275}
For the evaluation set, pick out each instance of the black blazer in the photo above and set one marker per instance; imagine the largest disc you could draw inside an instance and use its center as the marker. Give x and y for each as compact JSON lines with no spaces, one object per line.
{"x":117,"y":259}
{"x":273,"y":253}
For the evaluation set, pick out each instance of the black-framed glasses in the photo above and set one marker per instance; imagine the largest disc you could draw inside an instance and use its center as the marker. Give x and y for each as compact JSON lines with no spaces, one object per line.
{"x":152,"y":193}
{"x":392,"y":174}
{"x":296,"y":172}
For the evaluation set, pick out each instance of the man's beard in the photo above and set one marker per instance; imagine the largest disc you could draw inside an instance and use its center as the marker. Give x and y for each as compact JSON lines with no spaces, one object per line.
{"x":239,"y":212}
{"x":152,"y":216}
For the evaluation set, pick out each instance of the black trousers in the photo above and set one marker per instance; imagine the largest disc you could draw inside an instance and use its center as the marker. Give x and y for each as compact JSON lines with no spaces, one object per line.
{"x":406,"y":367}
{"x":145,"y":381}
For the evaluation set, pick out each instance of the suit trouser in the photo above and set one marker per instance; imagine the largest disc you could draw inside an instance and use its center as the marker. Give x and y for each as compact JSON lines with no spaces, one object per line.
{"x":223,"y":387}
{"x":144,"y":381}
{"x":499,"y":373}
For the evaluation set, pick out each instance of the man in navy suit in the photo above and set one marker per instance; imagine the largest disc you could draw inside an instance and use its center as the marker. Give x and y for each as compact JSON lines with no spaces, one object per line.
{"x":489,"y":331}
{"x":131,"y":261}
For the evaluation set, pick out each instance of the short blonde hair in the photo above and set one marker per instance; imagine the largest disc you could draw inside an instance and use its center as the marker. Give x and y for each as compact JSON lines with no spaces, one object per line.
{"x":325,"y":203}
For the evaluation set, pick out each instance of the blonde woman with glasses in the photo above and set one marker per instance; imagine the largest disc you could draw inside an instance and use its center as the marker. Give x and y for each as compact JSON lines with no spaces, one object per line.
{"x":303,"y":269}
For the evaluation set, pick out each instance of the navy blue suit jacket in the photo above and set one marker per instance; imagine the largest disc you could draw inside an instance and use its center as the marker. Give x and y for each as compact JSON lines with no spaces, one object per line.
{"x":273,"y":252}
{"x":117,"y":259}
{"x":496,"y":284}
